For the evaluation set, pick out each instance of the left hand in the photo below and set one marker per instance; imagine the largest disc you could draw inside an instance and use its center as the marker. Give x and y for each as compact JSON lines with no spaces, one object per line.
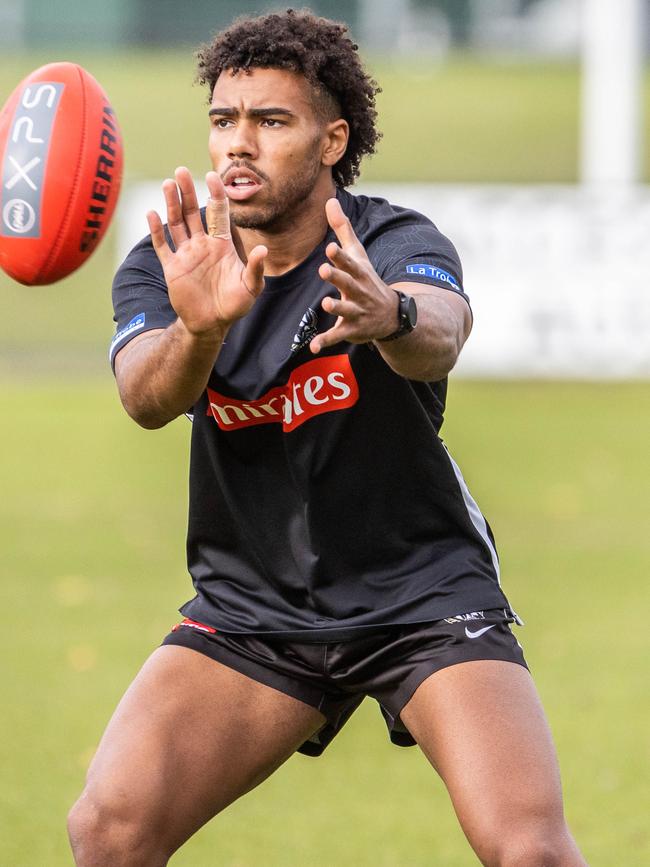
{"x":367,"y":308}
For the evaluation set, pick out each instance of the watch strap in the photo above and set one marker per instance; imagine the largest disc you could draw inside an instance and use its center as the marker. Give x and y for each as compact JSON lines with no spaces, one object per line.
{"x":404,"y":317}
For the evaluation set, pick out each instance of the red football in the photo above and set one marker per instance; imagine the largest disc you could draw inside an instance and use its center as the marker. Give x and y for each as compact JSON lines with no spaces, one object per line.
{"x":61,"y":160}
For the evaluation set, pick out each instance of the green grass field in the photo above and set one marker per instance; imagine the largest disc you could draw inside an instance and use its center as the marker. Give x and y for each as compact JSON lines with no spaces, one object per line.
{"x":92,"y":520}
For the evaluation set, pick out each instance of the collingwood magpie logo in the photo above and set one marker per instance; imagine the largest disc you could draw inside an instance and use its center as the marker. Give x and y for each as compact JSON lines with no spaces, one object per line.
{"x":306,"y":330}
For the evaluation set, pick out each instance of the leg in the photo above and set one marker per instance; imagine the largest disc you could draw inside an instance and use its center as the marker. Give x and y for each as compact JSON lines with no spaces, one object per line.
{"x":482,"y":727}
{"x":188,"y":738}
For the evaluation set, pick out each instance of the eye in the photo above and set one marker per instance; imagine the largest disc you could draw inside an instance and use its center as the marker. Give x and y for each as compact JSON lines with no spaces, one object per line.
{"x":272,"y":123}
{"x":221,"y":122}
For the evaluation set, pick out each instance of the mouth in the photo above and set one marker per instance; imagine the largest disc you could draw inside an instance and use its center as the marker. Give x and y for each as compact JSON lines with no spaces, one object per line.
{"x":241,"y":184}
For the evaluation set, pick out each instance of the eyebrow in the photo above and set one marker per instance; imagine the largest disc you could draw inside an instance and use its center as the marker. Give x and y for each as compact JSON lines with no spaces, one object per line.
{"x":252,"y":112}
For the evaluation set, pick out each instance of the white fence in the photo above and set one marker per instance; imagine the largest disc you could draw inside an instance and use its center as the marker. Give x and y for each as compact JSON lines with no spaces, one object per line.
{"x":559,"y":276}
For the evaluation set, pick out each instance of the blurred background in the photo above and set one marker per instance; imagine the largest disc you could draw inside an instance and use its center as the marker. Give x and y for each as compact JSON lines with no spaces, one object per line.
{"x":521,"y":128}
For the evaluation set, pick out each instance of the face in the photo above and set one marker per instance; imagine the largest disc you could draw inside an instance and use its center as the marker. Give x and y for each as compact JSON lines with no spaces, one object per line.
{"x":267,"y":144}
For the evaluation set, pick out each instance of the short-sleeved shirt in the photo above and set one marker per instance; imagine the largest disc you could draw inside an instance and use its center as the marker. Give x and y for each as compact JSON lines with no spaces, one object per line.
{"x":322,"y":500}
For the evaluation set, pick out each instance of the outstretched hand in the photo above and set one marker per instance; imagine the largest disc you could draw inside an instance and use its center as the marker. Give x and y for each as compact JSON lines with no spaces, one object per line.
{"x":367,"y":308}
{"x":209,"y":285}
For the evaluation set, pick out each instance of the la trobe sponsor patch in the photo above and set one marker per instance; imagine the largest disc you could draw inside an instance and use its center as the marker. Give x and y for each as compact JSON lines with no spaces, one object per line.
{"x":135,"y":324}
{"x":433,"y":272}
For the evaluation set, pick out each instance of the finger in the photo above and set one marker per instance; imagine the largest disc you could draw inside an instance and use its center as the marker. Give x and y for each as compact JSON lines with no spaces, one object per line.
{"x":329,"y":338}
{"x":344,"y":261}
{"x":337,"y":307}
{"x":346,"y":284}
{"x":217,"y":216}
{"x":343,"y":227}
{"x":175,"y":221}
{"x":215,"y":186}
{"x":217,"y":212}
{"x":189,"y":202}
{"x":254,"y":272}
{"x":158,"y":238}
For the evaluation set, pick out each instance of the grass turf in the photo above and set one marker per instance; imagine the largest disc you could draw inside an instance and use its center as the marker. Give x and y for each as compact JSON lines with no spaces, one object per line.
{"x":92,"y":529}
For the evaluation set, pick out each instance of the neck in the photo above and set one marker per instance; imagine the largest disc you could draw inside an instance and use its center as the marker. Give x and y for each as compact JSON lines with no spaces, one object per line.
{"x":290,"y":241}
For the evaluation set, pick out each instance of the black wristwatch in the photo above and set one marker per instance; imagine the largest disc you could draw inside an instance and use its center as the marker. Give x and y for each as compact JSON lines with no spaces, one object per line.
{"x":407,"y":317}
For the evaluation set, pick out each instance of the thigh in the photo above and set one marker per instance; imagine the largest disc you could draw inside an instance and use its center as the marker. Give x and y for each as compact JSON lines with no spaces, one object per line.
{"x":189,"y":737}
{"x":482,"y":727}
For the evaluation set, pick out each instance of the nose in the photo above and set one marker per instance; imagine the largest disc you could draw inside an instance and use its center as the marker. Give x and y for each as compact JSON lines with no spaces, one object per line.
{"x":243,"y":142}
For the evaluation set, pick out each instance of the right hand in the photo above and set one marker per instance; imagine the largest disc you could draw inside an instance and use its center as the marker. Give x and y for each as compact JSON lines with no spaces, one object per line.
{"x":209,"y":285}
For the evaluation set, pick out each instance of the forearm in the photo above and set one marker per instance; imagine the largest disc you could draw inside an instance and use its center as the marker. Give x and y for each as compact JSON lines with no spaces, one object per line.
{"x":164,"y":373}
{"x":430,"y":351}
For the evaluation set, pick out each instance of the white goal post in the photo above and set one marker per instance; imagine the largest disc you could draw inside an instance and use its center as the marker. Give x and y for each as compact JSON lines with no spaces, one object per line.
{"x":612,"y":67}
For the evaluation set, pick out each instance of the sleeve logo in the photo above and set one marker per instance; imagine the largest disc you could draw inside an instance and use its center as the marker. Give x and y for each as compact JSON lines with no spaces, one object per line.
{"x":134,"y":325}
{"x":319,"y":386}
{"x":433,"y":272}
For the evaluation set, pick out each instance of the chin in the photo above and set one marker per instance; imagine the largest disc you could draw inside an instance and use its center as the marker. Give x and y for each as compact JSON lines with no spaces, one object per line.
{"x":254,"y":218}
{"x":249,"y":221}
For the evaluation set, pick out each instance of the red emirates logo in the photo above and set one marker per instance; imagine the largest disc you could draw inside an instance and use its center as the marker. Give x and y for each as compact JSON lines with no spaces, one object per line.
{"x":323,"y":385}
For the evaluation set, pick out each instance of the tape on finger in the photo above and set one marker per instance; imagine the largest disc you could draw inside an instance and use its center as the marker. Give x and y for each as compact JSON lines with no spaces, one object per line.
{"x":217,"y":216}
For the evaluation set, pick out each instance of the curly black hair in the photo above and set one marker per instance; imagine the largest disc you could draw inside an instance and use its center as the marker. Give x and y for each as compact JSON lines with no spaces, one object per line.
{"x":318,"y":49}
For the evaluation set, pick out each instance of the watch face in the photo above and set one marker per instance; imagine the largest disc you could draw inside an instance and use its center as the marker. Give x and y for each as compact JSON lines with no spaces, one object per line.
{"x":407,"y":316}
{"x":412,"y":312}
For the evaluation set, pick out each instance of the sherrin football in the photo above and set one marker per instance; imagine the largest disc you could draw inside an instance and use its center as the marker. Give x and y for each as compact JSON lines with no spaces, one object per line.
{"x":61,"y":161}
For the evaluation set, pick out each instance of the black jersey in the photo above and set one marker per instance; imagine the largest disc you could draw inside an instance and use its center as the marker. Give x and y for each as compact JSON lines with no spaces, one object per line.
{"x":322,"y":500}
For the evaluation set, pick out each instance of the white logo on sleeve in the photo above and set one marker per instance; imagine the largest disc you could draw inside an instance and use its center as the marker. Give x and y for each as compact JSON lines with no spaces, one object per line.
{"x":478,"y":632}
{"x":134,"y":325}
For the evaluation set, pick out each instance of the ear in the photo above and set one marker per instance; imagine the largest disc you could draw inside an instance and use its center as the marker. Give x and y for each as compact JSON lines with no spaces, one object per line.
{"x":336,"y":138}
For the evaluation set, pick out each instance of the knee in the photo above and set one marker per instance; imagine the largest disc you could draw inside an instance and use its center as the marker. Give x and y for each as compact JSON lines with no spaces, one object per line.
{"x":533,"y":849}
{"x":103,"y":833}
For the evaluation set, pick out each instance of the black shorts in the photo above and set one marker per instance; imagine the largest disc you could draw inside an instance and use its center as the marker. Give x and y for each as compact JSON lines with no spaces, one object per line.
{"x":335,"y":677}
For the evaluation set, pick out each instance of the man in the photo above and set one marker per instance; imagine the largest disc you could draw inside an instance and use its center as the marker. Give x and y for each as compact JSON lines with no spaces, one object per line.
{"x":335,"y":549}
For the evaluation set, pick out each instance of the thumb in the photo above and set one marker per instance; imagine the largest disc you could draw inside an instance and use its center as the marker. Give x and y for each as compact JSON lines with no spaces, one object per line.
{"x":254,"y":271}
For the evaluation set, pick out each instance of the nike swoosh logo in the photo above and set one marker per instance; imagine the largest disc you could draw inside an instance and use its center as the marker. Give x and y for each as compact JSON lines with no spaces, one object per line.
{"x":478,"y":632}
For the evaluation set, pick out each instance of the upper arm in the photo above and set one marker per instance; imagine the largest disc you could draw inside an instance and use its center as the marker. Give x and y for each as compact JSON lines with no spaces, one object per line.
{"x":409,"y":249}
{"x":410,"y":254}
{"x":140,"y":299}
{"x":129,"y":350}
